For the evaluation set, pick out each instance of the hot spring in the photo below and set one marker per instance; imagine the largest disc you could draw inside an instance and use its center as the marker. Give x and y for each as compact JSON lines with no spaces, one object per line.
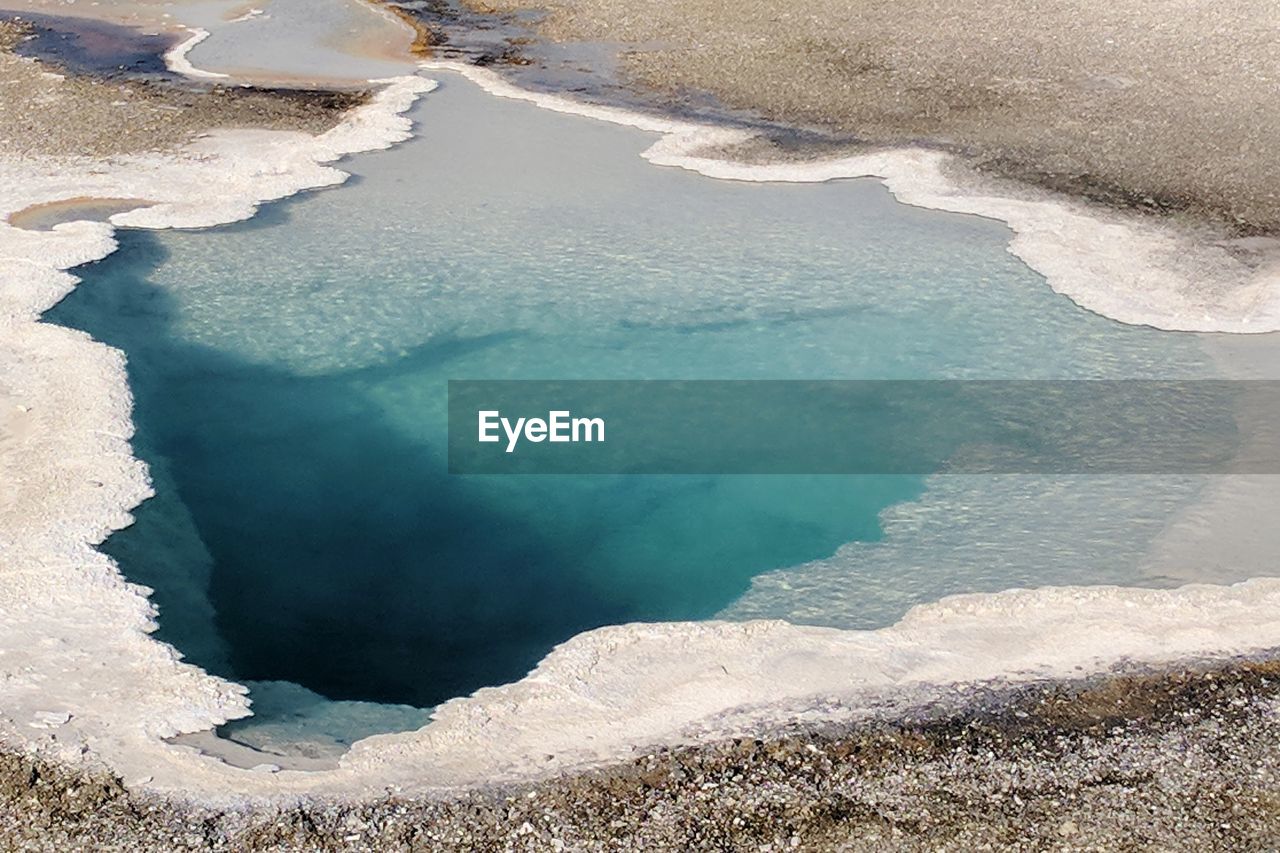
{"x":289,"y":374}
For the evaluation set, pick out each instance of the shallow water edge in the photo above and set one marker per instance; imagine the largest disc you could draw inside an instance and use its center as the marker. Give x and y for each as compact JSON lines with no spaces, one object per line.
{"x":1127,"y":267}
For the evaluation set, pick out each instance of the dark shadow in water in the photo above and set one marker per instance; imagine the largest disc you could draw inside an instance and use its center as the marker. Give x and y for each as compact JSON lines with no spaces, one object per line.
{"x":378,"y":577}
{"x":336,"y":551}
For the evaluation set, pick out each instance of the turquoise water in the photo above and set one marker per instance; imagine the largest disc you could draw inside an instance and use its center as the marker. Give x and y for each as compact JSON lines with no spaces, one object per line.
{"x":290,"y":372}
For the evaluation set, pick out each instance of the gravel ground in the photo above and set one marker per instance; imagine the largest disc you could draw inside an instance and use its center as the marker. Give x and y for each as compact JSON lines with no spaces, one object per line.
{"x":1180,"y":759}
{"x":45,"y":113}
{"x":1168,"y":105}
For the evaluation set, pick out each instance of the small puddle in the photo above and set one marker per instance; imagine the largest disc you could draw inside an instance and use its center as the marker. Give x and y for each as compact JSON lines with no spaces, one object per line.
{"x":86,"y":46}
{"x":43,"y":217}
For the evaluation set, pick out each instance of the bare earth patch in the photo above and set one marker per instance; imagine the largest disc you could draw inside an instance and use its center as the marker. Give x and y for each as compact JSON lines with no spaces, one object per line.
{"x":1163,"y":104}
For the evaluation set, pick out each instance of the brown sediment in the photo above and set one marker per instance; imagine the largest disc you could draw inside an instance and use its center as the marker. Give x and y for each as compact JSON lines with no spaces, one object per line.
{"x":424,"y":36}
{"x":47,"y":112}
{"x":1186,"y":757}
{"x":1132,"y":103}
{"x":447,"y":30}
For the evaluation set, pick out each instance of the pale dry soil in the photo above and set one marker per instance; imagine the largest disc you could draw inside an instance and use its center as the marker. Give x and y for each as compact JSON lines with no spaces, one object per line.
{"x":1166,"y":105}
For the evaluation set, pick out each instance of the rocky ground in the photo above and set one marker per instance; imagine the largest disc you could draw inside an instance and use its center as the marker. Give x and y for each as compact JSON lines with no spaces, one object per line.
{"x":1186,"y":758}
{"x":1165,"y":105}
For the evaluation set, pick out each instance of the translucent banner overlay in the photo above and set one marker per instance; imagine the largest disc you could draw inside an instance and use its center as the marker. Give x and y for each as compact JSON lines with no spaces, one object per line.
{"x":863,"y":427}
